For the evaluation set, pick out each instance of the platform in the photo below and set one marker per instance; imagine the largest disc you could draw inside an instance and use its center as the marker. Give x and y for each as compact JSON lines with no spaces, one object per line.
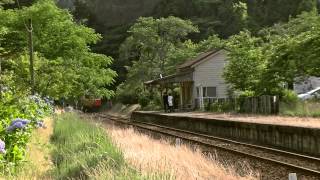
{"x":300,"y":135}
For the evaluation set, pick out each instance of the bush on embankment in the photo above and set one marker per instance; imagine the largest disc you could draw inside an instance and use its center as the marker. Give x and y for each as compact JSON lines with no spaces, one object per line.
{"x":309,"y":108}
{"x":19,"y":115}
{"x":83,"y":150}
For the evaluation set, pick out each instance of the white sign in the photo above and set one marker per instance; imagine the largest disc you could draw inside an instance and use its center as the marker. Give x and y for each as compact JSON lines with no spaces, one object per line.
{"x":293,"y":176}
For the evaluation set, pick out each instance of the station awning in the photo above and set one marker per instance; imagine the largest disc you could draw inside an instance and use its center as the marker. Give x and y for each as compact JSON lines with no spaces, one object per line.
{"x":175,"y":78}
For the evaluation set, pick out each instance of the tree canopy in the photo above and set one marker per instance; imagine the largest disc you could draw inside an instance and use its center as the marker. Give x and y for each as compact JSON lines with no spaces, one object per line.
{"x":149,"y":46}
{"x":281,"y":55}
{"x":65,"y":65}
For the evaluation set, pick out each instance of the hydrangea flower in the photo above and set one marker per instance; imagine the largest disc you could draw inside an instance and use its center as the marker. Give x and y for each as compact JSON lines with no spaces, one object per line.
{"x":18,"y":124}
{"x":5,"y":88}
{"x":39,"y":112}
{"x":35,"y":98}
{"x":48,"y":100}
{"x":2,"y":147}
{"x":40,"y":124}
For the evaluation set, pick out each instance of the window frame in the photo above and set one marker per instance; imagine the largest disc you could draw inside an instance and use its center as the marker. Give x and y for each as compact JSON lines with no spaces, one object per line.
{"x":205,"y":91}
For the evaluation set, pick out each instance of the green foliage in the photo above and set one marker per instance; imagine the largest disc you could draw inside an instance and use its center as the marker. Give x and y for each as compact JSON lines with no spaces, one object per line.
{"x":225,"y":17}
{"x":4,"y":2}
{"x":154,"y":45}
{"x":246,"y":63}
{"x":222,"y":17}
{"x":289,"y":97}
{"x":180,"y":54}
{"x":266,"y":13}
{"x":280,"y":56}
{"x":144,"y":100}
{"x":213,"y":42}
{"x":300,"y":108}
{"x":295,"y":49}
{"x":15,"y":105}
{"x":220,"y":107}
{"x":82,"y":147}
{"x":65,"y":66}
{"x":127,"y":95}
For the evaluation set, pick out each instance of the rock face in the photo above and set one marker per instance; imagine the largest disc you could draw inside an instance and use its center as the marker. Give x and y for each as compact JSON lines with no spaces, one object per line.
{"x":114,"y":12}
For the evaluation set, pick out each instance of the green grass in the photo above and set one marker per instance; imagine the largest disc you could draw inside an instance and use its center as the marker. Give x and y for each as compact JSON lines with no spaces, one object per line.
{"x":301,"y":108}
{"x":84,"y":151}
{"x":80,"y":147}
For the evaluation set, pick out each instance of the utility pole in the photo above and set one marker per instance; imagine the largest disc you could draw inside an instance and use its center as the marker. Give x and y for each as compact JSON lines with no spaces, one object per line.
{"x":30,"y":29}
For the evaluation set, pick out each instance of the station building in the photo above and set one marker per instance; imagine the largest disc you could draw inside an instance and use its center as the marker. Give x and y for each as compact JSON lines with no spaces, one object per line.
{"x":200,"y":79}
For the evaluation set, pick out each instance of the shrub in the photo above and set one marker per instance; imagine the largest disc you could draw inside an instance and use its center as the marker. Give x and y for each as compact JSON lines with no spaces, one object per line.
{"x":225,"y":106}
{"x":301,"y":108}
{"x":19,"y":115}
{"x":289,"y":97}
{"x":144,"y":100}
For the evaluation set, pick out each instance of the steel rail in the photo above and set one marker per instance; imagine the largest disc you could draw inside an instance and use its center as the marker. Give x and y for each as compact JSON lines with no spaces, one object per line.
{"x":142,"y":125}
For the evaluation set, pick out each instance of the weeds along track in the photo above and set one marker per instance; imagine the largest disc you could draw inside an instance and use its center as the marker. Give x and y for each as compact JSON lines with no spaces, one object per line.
{"x":273,"y":162}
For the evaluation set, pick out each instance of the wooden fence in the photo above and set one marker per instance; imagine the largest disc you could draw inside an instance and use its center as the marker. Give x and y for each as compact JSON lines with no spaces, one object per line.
{"x":260,"y":105}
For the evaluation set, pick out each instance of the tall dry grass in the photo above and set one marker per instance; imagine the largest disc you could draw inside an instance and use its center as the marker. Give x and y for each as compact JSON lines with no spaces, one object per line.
{"x":179,"y":162}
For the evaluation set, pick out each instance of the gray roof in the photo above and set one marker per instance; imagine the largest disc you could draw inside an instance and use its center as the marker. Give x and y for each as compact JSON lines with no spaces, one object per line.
{"x":185,"y":71}
{"x":197,"y":59}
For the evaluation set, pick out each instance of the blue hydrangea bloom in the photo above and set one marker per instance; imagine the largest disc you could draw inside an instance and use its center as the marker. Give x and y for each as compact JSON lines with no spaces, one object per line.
{"x":18,"y":124}
{"x":35,"y":98}
{"x":40,"y":124}
{"x":48,"y":100}
{"x":2,"y":147}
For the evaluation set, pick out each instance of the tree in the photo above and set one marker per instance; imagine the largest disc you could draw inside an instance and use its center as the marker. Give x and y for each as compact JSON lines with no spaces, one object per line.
{"x":2,"y":2}
{"x":65,"y":66}
{"x":263,"y":13}
{"x":149,"y":46}
{"x":246,"y":63}
{"x":282,"y":54}
{"x":152,"y":39}
{"x":223,"y":17}
{"x":294,"y":49}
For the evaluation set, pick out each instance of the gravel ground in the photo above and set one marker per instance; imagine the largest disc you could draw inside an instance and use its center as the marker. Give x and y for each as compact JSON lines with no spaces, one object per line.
{"x":308,"y":122}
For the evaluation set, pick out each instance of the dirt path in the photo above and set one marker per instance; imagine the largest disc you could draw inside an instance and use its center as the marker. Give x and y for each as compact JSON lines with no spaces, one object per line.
{"x":38,"y":154}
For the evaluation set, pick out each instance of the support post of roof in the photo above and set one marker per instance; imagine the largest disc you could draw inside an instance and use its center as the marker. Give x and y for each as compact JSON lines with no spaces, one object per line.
{"x":181,"y":91}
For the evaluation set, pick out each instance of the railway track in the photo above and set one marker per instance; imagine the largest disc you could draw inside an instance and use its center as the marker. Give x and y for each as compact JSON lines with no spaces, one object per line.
{"x":305,"y":166}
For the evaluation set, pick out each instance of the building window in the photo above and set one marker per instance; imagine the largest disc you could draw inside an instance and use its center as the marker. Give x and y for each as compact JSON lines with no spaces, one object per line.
{"x":211,"y":92}
{"x":207,"y":92}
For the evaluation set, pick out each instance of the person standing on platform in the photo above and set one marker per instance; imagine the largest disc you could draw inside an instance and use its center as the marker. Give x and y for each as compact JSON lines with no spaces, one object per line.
{"x":165,"y":102}
{"x":170,"y":103}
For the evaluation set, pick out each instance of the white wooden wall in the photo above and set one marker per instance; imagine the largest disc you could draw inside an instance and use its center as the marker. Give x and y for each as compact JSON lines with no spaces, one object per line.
{"x":209,"y":74}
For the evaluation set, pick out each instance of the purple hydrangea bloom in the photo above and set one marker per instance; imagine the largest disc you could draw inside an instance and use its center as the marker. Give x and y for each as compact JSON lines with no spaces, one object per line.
{"x":18,"y":124}
{"x":23,"y":121}
{"x":2,"y":147}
